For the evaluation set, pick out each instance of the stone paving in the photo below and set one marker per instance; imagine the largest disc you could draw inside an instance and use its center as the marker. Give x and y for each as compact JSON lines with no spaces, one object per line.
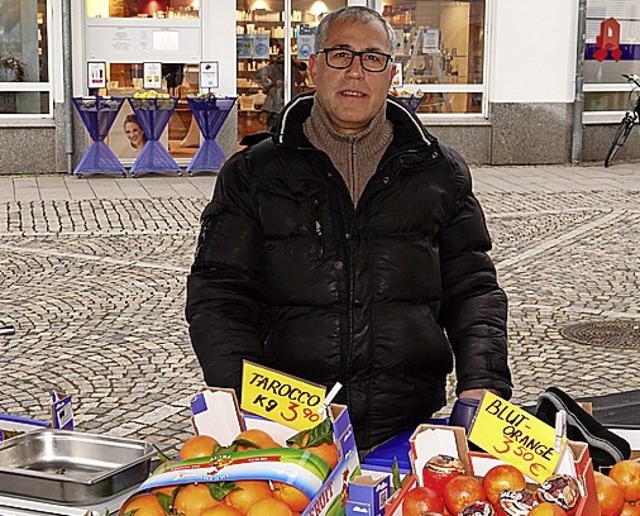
{"x":93,"y":278}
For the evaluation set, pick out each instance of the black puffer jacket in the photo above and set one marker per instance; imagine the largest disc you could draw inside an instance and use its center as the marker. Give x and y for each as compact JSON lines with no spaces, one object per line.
{"x":288,"y":274}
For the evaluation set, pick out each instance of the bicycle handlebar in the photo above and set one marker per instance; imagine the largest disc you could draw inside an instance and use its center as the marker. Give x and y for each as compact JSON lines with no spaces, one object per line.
{"x":632,"y":78}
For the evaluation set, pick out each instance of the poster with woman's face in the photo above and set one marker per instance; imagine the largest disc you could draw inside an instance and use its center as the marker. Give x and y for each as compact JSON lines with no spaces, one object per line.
{"x":126,"y":137}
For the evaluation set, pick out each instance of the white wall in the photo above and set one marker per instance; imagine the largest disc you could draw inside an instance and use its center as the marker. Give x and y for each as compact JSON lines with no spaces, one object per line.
{"x":219,"y":41}
{"x":533,"y":50}
{"x":78,"y":34}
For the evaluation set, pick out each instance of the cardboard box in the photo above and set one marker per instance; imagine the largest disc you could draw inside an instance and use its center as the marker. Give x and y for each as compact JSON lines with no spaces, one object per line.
{"x":61,"y":417}
{"x":394,"y":504}
{"x":216,"y":413}
{"x":430,"y":440}
{"x":368,"y":494}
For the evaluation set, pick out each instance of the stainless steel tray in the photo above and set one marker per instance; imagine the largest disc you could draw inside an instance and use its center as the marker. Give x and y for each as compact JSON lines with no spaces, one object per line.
{"x":72,"y":467}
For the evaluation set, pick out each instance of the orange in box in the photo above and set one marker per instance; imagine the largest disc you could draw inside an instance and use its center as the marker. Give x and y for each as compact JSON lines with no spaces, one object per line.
{"x":216,"y":414}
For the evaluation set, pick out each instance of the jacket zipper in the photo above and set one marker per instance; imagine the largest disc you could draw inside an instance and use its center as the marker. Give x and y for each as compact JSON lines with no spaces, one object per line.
{"x":354,"y":140}
{"x":351,"y":266}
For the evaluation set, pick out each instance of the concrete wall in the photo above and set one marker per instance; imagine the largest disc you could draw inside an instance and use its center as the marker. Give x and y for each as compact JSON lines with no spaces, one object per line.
{"x":472,"y":141}
{"x":596,"y":140}
{"x":28,"y":149}
{"x":531,"y":133}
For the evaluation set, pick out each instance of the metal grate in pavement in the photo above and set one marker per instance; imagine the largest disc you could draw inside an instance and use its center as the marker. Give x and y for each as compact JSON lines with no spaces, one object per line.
{"x":609,"y":334}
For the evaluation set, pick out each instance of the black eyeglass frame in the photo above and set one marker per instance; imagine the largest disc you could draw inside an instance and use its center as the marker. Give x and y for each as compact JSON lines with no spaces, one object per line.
{"x":354,"y":53}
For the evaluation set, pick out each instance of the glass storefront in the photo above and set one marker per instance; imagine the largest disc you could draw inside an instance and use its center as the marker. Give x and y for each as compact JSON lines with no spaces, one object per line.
{"x":182,"y":136}
{"x":124,"y":34}
{"x":161,"y":9}
{"x":24,"y":57}
{"x":439,"y":52}
{"x":612,"y":48}
{"x":262,"y":46}
{"x":439,"y":42}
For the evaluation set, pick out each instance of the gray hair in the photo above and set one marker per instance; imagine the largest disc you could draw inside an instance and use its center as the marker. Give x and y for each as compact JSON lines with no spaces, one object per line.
{"x":352,"y":13}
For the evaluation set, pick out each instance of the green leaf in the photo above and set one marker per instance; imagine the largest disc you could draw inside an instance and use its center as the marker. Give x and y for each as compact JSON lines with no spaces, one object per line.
{"x":225,"y":450}
{"x":221,"y":489}
{"x":163,"y":456}
{"x":395,"y":474}
{"x":244,"y":442}
{"x":166,"y":500}
{"x":319,"y":434}
{"x":130,"y":513}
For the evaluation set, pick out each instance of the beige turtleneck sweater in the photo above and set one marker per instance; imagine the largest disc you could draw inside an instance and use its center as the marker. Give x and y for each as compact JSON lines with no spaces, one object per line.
{"x":356,"y":156}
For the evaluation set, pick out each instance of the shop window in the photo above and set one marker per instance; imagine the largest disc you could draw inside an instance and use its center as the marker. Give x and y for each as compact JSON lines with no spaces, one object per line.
{"x":439,"y":52}
{"x":24,"y":57}
{"x":24,"y":102}
{"x":182,"y":136}
{"x":260,"y":29}
{"x":164,"y":9}
{"x":612,"y":48}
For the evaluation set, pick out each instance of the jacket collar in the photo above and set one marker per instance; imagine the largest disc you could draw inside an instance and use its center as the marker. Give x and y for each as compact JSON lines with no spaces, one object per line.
{"x":408,"y":130}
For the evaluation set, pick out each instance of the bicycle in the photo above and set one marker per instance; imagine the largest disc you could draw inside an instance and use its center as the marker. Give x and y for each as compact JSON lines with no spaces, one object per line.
{"x":630,"y":118}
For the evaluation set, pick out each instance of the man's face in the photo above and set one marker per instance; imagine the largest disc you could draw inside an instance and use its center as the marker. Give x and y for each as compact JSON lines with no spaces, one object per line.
{"x":352,"y":96}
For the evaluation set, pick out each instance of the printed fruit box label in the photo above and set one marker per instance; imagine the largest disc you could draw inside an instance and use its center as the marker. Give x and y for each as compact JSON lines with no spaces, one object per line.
{"x":298,"y":468}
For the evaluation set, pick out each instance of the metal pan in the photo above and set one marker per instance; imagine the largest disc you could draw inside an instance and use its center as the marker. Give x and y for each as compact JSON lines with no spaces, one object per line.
{"x":72,"y":467}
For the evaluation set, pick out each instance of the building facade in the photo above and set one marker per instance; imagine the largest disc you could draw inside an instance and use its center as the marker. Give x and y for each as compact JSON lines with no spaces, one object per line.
{"x":494,"y":78}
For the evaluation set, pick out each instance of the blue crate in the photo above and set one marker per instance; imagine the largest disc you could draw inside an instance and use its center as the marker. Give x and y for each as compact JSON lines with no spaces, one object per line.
{"x":381,"y":459}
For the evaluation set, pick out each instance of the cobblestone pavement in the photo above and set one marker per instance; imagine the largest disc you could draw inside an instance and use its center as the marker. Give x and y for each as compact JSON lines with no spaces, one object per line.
{"x":93,"y":278}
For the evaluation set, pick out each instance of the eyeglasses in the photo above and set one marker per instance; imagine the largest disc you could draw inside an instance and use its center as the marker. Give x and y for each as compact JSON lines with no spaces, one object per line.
{"x":342,"y":58}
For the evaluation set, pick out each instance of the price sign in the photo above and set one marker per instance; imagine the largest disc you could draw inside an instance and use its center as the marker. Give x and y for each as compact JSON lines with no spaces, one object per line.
{"x":152,"y":75}
{"x":516,"y":437}
{"x":281,"y":397}
{"x":96,"y":74}
{"x":209,"y":74}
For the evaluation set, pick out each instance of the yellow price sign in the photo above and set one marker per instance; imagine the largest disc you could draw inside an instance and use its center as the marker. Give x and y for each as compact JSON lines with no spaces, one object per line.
{"x":281,"y":397}
{"x":516,"y":437}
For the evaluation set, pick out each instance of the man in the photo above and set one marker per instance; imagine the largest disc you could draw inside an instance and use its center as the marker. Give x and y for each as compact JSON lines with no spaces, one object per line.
{"x":342,"y":248}
{"x":271,"y":79}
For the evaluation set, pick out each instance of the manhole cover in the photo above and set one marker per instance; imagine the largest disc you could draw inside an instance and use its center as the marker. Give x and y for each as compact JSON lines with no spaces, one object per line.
{"x":612,"y":334}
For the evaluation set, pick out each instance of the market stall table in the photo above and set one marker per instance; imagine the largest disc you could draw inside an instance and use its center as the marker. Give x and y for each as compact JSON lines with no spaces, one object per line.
{"x":16,"y":506}
{"x":620,"y":409}
{"x":153,"y":114}
{"x":210,"y":113}
{"x":98,"y":114}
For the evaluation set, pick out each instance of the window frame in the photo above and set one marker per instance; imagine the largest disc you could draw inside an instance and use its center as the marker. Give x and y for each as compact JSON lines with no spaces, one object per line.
{"x":604,"y":117}
{"x":483,"y":87}
{"x":34,"y":86}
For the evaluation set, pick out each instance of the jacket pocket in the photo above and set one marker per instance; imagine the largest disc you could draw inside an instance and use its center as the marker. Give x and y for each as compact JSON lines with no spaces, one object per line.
{"x":209,"y":226}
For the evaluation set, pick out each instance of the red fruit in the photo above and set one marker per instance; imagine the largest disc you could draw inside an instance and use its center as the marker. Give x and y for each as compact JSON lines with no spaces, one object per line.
{"x":462,"y":491}
{"x":421,"y":500}
{"x":500,"y":478}
{"x":439,"y":469}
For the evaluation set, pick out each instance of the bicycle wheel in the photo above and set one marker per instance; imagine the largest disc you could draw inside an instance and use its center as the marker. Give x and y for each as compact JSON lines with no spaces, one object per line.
{"x":618,"y":141}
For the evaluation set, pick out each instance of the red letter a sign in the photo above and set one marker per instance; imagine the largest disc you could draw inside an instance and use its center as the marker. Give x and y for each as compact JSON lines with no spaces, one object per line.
{"x":609,"y":38}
